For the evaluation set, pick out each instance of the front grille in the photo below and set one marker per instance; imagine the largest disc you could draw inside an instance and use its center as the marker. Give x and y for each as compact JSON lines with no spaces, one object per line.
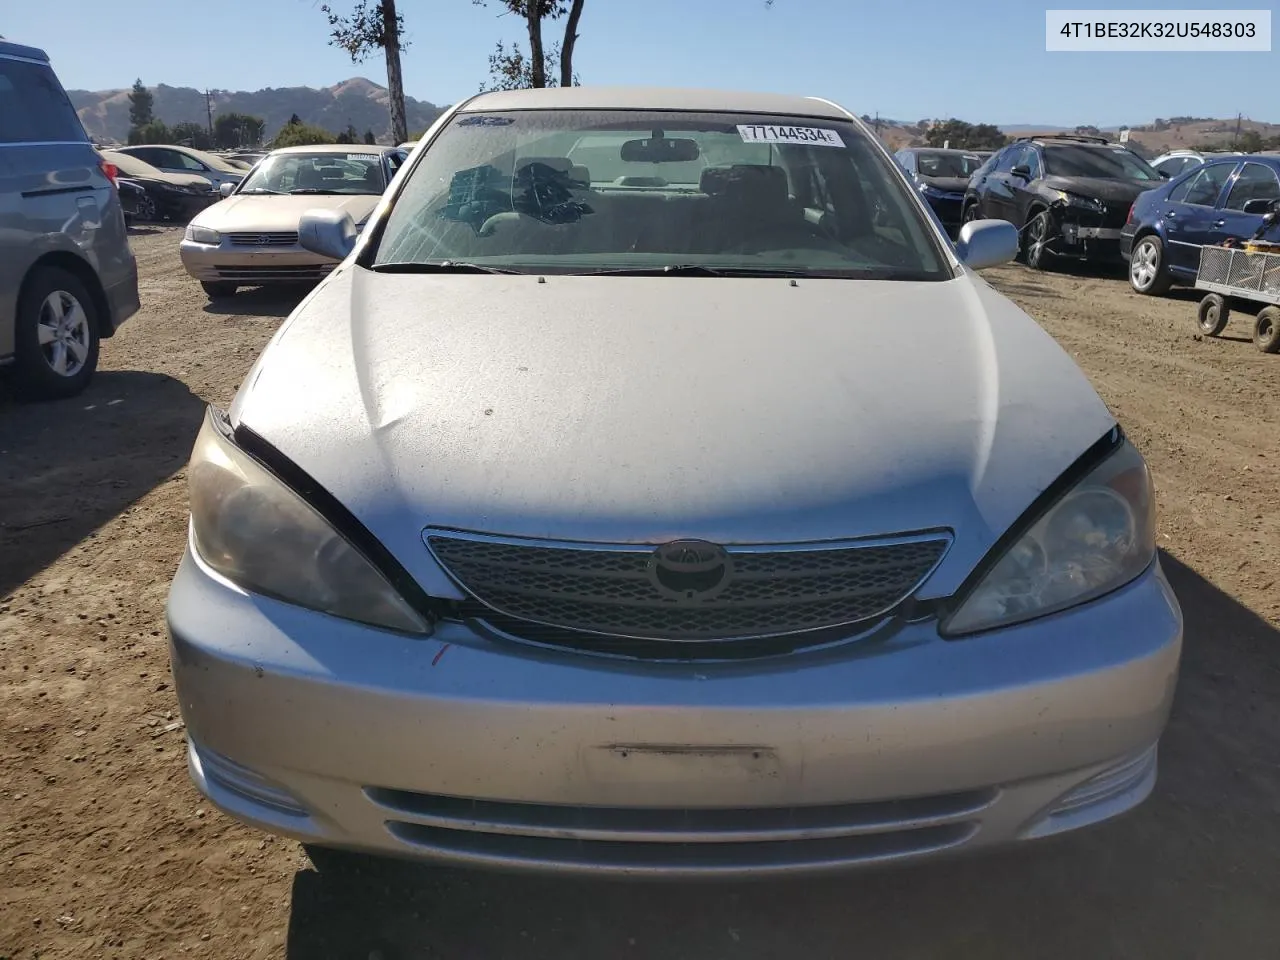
{"x":256,"y":274}
{"x":280,"y":239}
{"x":696,"y":840}
{"x":607,"y":589}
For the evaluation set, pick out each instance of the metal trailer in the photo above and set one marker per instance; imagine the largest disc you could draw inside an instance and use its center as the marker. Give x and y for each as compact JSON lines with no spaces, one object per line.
{"x":1243,"y":275}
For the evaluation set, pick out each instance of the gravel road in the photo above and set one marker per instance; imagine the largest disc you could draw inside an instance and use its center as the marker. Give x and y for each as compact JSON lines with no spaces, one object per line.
{"x":106,"y":851}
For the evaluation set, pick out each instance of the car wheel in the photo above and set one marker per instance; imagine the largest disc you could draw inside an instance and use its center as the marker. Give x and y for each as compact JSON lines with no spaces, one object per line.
{"x":1147,"y":274}
{"x":1212,"y":315}
{"x":1034,"y":235}
{"x":1266,"y":330}
{"x":970,"y":213}
{"x":56,"y":336}
{"x":147,"y":210}
{"x":219,"y":290}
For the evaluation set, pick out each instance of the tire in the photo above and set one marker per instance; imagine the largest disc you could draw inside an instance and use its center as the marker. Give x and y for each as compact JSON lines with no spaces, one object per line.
{"x":1266,"y":330}
{"x":147,"y":212}
{"x":1034,"y":233}
{"x":1212,"y":315}
{"x":1147,"y":273}
{"x":971,"y":213}
{"x":55,"y":336}
{"x":218,"y":290}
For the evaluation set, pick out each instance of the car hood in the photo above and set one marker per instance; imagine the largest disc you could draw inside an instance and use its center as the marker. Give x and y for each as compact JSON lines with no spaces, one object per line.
{"x":1102,"y":188}
{"x":630,"y":409}
{"x":277,"y":212}
{"x":949,"y":184}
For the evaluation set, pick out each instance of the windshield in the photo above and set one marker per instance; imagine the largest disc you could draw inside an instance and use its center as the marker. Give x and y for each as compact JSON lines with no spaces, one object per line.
{"x":1112,"y":162}
{"x":610,"y":191}
{"x":131,"y":166}
{"x":217,"y":163}
{"x":319,"y":172}
{"x":948,"y":164}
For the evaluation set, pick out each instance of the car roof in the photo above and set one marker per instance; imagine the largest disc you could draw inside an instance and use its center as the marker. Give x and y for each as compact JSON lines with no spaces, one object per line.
{"x":10,"y":49}
{"x":960,"y":150}
{"x":337,"y":148}
{"x":654,"y":98}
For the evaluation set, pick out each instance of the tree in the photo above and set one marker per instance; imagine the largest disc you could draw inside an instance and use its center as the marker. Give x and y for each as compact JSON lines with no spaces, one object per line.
{"x":965,"y":136}
{"x":231,"y":130}
{"x":373,"y":25}
{"x":141,"y":105}
{"x":153,"y":132}
{"x":349,"y":135}
{"x":191,"y":134}
{"x":513,"y":70}
{"x":1250,"y":141}
{"x":370,"y":139}
{"x":295,"y":133}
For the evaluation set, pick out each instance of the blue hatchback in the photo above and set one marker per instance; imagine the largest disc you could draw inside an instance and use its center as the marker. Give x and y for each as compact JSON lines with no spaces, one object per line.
{"x":1226,"y":197}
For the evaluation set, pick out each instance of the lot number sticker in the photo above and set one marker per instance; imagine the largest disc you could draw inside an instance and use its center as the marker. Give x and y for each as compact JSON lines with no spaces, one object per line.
{"x":809,"y":136}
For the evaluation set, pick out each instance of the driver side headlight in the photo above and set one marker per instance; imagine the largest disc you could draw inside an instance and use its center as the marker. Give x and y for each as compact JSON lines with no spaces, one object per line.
{"x":1094,"y":538}
{"x":203,"y":235}
{"x":255,"y":531}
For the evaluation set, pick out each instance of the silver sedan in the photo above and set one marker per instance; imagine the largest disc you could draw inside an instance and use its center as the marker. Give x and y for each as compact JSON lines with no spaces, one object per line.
{"x":654,"y":489}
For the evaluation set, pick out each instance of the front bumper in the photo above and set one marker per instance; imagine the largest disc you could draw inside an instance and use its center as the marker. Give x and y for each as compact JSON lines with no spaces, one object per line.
{"x":474,"y":751}
{"x":253,"y":265}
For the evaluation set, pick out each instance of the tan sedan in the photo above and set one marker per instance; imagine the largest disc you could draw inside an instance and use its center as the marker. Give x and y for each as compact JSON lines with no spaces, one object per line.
{"x":250,"y":238}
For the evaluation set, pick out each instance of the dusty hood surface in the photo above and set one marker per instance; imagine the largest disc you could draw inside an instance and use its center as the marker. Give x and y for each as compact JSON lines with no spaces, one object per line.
{"x":268,"y":212}
{"x":646,"y":409}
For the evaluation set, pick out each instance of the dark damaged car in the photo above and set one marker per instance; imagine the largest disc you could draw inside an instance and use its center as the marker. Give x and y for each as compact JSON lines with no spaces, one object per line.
{"x":941,"y":176}
{"x":1069,"y":196}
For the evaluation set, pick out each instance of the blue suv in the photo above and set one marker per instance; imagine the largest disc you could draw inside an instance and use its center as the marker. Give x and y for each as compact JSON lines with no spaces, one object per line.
{"x":1225,"y":198}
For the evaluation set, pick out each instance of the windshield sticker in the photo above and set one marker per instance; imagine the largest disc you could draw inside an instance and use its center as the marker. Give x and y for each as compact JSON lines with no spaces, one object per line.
{"x":808,"y":136}
{"x":485,"y":120}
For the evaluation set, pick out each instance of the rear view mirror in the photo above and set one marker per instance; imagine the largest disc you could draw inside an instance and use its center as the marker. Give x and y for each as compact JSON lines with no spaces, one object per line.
{"x":1260,"y":206}
{"x":659,"y":149}
{"x":987,"y":243}
{"x":330,"y":233}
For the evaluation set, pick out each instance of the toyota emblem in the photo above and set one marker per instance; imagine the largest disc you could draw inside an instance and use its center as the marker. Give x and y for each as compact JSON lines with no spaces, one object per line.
{"x":690,"y":571}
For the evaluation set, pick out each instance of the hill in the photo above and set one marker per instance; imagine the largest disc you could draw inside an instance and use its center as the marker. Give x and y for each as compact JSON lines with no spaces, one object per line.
{"x":358,"y":101}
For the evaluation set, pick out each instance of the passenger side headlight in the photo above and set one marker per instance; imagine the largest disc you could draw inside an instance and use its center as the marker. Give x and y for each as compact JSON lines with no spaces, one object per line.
{"x":1080,"y":203}
{"x":260,"y":535}
{"x":1096,"y":537}
{"x":203,"y":235}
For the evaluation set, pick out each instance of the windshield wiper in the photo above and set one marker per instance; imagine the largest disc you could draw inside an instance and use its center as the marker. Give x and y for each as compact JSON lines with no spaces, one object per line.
{"x":444,"y":266}
{"x":697,"y":270}
{"x":263,"y":190}
{"x":315,"y":190}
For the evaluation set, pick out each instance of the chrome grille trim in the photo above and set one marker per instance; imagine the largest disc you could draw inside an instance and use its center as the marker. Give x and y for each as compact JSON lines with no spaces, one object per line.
{"x":605,"y":590}
{"x":274,"y":239}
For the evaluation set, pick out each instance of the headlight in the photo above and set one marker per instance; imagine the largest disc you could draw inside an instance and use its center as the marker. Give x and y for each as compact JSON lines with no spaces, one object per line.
{"x":1080,"y":203}
{"x":259,"y":534}
{"x":203,"y":235}
{"x":1096,"y":537}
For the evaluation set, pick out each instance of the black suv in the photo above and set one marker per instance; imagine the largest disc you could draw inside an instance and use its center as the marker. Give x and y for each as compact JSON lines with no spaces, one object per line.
{"x":1068,"y":195}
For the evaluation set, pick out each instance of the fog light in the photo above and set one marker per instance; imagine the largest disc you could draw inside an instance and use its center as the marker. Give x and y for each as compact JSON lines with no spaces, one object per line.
{"x":216,"y":769}
{"x":1104,"y":795}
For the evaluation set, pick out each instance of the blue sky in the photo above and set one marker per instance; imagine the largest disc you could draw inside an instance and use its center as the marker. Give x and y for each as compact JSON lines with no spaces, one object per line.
{"x":983,"y":61}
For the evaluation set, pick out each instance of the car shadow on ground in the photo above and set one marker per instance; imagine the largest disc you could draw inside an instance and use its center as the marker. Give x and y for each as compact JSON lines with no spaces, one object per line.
{"x":276,"y":301}
{"x":127,"y":433}
{"x":1118,"y":890}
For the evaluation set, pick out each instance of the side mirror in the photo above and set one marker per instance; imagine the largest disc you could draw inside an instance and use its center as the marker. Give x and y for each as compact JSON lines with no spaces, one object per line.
{"x":1021,"y":171}
{"x":987,"y":243}
{"x":330,"y":233}
{"x":226,"y":189}
{"x":1164,"y":174}
{"x":1259,"y":206}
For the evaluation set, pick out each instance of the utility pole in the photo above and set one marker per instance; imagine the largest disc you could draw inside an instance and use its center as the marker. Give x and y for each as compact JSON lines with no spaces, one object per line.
{"x":208,"y":106}
{"x":1236,"y":139}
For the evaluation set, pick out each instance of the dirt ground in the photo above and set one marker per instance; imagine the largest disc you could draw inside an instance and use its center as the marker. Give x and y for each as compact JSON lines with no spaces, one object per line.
{"x":107,"y":851}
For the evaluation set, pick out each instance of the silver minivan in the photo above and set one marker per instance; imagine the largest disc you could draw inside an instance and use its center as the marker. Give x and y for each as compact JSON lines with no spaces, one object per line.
{"x":67,"y":275}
